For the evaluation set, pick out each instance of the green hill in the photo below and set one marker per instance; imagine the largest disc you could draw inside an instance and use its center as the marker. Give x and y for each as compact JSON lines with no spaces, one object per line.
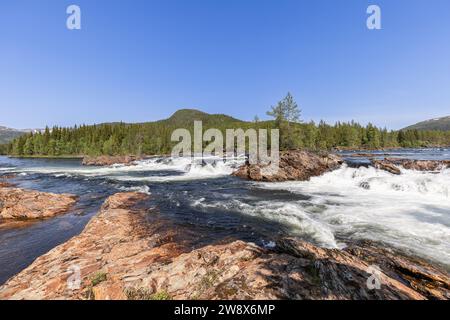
{"x":441,"y":124}
{"x":185,"y":117}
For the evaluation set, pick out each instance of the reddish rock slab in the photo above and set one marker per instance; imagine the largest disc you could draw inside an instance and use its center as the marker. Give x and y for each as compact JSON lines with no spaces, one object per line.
{"x":16,"y":203}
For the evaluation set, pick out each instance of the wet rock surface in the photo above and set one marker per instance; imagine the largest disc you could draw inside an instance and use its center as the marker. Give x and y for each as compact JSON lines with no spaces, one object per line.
{"x":293,"y":165}
{"x":16,"y":203}
{"x":393,"y":165}
{"x":128,"y":252}
{"x":108,"y":160}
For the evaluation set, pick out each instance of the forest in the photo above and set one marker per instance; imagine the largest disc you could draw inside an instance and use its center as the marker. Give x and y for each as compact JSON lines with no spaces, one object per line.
{"x":154,"y":138}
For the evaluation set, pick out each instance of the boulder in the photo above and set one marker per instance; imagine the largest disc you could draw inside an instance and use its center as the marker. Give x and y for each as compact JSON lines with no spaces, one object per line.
{"x":293,"y":165}
{"x":16,"y":203}
{"x":129,"y":252}
{"x":109,"y":160}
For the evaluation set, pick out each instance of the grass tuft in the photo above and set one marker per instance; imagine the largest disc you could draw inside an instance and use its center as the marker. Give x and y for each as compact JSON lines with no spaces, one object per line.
{"x":99,"y":277}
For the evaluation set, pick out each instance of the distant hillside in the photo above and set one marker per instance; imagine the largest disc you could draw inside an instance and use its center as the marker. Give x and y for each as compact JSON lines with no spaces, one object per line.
{"x":185,"y":117}
{"x":7,"y":134}
{"x":442,"y":124}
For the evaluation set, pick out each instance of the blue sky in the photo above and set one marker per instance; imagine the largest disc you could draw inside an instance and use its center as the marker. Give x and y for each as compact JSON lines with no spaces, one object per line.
{"x":142,"y":60}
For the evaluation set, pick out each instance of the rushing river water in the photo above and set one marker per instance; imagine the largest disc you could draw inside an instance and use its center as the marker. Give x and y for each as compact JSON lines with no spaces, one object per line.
{"x":410,"y":212}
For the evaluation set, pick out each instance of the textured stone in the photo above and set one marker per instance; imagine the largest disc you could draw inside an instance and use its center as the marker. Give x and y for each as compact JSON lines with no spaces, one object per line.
{"x":16,"y":203}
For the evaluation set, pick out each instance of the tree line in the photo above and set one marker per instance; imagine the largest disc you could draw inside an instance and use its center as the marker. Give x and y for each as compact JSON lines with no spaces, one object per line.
{"x":154,"y":138}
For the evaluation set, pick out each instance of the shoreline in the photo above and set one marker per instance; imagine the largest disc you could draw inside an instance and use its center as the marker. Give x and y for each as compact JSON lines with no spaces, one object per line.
{"x":146,"y":156}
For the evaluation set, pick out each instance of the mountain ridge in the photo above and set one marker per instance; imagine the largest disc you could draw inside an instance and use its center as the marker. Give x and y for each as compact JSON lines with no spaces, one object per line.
{"x":441,"y":124}
{"x":9,"y":134}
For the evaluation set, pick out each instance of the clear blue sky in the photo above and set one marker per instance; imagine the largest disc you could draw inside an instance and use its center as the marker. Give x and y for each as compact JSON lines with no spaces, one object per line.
{"x":142,"y":60}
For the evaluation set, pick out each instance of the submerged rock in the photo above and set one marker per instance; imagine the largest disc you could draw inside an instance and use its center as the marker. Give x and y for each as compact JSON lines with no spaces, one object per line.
{"x":5,"y":184}
{"x":108,"y":160}
{"x":386,"y":166}
{"x":16,"y":203}
{"x":4,"y":180}
{"x":294,"y":165}
{"x":393,"y":165}
{"x":128,"y":252}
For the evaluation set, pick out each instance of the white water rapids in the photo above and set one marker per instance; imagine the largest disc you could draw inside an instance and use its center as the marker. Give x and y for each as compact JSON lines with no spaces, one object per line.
{"x":410,"y":211}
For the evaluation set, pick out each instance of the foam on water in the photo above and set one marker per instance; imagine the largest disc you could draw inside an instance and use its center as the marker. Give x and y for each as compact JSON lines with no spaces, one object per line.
{"x":142,"y":189}
{"x":177,"y":169}
{"x":292,"y":215}
{"x":410,"y":211}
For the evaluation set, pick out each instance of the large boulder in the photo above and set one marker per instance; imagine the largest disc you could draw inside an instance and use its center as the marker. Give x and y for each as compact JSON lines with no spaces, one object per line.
{"x":293,"y":165}
{"x":129,"y":252}
{"x":16,"y":203}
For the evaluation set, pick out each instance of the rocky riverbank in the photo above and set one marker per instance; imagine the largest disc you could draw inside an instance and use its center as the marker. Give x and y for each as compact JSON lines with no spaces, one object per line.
{"x":293,"y":165}
{"x":129,"y":252}
{"x":16,"y":203}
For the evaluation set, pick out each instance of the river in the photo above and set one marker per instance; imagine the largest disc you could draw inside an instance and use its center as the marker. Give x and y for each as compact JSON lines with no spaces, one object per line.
{"x":410,"y":212}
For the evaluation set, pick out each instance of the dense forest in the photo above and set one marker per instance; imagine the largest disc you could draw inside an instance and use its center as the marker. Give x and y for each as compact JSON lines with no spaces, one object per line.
{"x":155,"y":137}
